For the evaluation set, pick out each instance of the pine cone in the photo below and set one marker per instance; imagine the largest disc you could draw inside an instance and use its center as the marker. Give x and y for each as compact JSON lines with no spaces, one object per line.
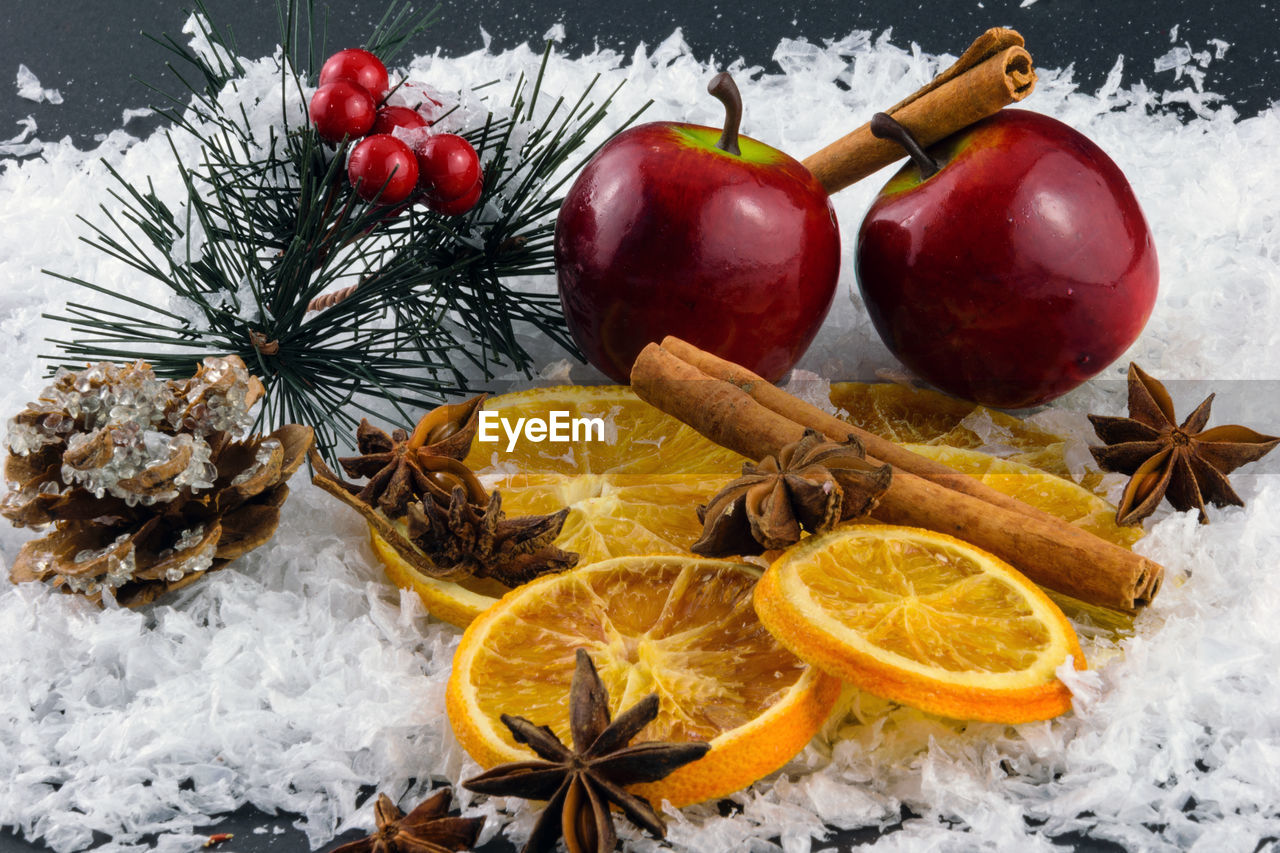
{"x":143,"y":480}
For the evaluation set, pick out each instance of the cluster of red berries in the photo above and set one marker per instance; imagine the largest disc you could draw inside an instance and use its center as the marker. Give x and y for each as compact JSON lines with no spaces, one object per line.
{"x":440,"y":168}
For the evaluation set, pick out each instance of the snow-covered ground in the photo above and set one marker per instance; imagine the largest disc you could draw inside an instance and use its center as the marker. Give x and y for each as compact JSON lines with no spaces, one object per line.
{"x":298,"y":675}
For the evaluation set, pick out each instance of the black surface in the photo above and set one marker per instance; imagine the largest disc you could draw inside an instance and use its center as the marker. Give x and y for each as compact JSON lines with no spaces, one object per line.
{"x":92,"y":51}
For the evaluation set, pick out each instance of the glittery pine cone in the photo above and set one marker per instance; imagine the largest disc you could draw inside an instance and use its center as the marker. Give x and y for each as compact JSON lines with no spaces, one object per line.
{"x":145,"y":482}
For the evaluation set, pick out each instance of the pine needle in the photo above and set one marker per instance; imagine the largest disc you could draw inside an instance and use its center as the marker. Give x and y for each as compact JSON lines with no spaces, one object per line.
{"x":268,"y":224}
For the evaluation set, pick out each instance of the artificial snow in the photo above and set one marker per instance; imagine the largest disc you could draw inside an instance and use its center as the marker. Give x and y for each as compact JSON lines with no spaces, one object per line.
{"x":24,"y":143}
{"x":127,"y":116}
{"x":29,"y":88}
{"x":298,"y":675}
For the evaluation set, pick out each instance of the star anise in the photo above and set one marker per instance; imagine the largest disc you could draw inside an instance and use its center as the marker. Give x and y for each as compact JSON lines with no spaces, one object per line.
{"x":1182,"y":462}
{"x":580,"y":783}
{"x":424,"y":502}
{"x":469,"y":536}
{"x":812,"y":484}
{"x":404,"y":467}
{"x":426,"y":829}
{"x":480,"y":540}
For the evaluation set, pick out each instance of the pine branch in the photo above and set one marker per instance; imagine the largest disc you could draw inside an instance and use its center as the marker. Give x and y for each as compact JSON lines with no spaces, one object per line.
{"x":267,"y":224}
{"x":396,"y":29}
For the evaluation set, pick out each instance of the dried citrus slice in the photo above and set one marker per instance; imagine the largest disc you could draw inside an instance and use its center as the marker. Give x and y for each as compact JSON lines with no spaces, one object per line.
{"x":634,"y":491}
{"x":453,"y":602}
{"x":683,"y":627}
{"x":921,"y":416}
{"x":1063,"y":498}
{"x":638,"y":439}
{"x":898,"y":412}
{"x":921,"y":618}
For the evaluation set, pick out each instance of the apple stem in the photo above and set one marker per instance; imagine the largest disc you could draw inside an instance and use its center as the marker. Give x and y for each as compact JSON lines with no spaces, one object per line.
{"x":885,"y":126}
{"x":726,"y":91}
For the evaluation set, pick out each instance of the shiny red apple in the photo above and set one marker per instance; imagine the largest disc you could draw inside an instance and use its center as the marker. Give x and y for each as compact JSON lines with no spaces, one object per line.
{"x":1019,"y":270}
{"x":731,"y":245}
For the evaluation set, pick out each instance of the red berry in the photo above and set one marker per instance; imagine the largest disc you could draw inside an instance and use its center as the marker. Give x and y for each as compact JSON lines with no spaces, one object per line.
{"x":341,"y":109}
{"x":389,"y":118}
{"x":358,"y":66}
{"x":384,"y":168}
{"x":448,"y":167}
{"x":459,"y":205}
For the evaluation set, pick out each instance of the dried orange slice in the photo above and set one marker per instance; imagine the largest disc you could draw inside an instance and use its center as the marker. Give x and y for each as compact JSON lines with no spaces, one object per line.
{"x":1053,"y":494}
{"x":633,"y":492}
{"x":454,"y":602}
{"x":920,"y":416}
{"x":638,"y":439}
{"x":1072,"y":503}
{"x":683,"y":627}
{"x":899,"y":413}
{"x":921,"y":618}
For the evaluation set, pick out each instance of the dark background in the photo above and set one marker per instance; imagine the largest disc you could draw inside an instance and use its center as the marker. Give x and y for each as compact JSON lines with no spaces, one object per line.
{"x":94,"y":53}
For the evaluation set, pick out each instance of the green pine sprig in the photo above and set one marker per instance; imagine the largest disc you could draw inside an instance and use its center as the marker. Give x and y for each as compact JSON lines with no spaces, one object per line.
{"x":268,"y":224}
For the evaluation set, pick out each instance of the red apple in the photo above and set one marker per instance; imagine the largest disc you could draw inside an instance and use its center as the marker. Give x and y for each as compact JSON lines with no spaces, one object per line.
{"x":666,"y":233}
{"x":1020,"y":269}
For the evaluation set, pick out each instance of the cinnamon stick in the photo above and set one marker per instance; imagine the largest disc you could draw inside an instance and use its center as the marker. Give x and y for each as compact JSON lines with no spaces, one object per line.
{"x":878,"y":449}
{"x":994,"y":72}
{"x":726,"y":414}
{"x":1047,"y":550}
